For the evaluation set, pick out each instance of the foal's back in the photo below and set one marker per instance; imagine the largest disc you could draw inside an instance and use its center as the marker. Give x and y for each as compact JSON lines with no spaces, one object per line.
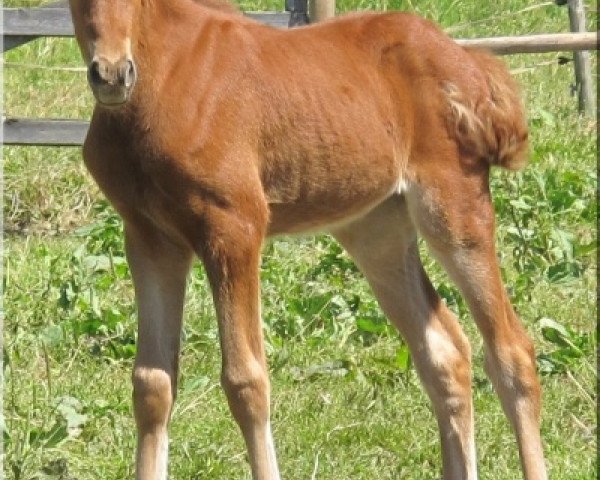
{"x":347,"y":106}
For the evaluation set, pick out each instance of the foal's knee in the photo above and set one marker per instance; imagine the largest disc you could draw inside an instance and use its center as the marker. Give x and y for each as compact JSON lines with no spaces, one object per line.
{"x":247,"y":390}
{"x":152,"y":396}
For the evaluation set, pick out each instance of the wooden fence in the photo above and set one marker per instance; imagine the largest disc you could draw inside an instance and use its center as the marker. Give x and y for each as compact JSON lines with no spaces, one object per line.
{"x":23,"y":25}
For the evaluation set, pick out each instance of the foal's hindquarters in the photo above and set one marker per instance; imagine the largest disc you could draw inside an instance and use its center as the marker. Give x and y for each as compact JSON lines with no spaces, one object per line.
{"x":461,"y":237}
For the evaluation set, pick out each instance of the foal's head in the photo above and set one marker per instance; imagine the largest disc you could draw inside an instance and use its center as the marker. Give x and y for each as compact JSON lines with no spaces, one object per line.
{"x":104,"y":31}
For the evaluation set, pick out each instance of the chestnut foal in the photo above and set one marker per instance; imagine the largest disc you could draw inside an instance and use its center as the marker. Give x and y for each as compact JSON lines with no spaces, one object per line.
{"x":212,"y":132}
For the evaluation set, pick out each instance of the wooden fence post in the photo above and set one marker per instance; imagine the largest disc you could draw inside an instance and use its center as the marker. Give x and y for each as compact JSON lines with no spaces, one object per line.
{"x":319,"y":10}
{"x":298,"y":12}
{"x":583,"y":75}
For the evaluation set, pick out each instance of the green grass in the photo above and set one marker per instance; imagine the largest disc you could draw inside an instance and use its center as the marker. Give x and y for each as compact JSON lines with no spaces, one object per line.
{"x":345,"y":403}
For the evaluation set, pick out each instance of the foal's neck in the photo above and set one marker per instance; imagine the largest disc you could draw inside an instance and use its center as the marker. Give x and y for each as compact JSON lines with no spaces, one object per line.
{"x":162,"y":27}
{"x":166,"y":34}
{"x":163,"y":33}
{"x":164,"y":38}
{"x":165,"y":25}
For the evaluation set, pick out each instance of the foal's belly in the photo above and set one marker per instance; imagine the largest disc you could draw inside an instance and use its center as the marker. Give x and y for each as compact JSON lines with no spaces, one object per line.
{"x":296,"y":218}
{"x":330,"y":152}
{"x":310,"y":194}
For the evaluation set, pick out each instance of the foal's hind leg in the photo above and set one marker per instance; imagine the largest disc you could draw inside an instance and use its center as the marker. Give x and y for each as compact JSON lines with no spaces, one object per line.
{"x":453,"y":210}
{"x":384,"y":245}
{"x":159,"y":270}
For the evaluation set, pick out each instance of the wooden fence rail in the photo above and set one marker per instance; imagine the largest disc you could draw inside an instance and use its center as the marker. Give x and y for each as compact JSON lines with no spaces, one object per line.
{"x":23,"y":25}
{"x":549,"y":42}
{"x":44,"y":132}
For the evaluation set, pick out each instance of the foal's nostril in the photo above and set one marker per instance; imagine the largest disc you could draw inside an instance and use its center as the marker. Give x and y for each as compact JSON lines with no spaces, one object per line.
{"x":129,"y":77}
{"x":111,"y":82}
{"x":94,"y":73}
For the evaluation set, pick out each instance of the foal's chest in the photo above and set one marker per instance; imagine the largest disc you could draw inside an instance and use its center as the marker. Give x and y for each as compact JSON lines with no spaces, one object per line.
{"x":147,"y":188}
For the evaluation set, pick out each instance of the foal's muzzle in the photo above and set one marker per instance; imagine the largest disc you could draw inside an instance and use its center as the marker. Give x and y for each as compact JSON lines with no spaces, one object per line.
{"x":112,"y":83}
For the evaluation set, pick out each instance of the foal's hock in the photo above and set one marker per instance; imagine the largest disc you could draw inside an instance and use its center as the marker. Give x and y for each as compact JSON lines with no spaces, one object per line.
{"x":212,"y":132}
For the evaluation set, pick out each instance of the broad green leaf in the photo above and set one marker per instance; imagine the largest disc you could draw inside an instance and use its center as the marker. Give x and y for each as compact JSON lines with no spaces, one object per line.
{"x":371,"y":325}
{"x":70,"y":410}
{"x":554,"y":332}
{"x":403,"y":358}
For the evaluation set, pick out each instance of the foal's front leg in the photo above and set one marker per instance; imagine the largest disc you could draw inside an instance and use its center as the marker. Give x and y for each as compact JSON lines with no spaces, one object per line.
{"x":159,"y":270}
{"x":231,"y":254}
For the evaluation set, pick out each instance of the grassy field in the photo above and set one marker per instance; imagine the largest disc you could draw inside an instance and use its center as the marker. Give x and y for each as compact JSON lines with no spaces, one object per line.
{"x":347,"y":403}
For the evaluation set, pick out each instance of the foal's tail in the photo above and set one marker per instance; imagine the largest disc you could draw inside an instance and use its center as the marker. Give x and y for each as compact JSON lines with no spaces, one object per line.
{"x":492,"y":126}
